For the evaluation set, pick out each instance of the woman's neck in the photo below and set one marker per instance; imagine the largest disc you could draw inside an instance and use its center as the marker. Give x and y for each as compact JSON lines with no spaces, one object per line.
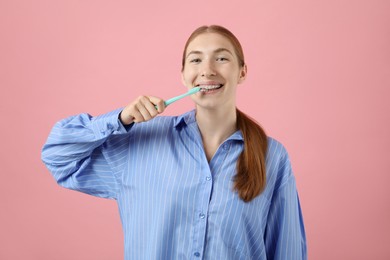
{"x":215,"y":126}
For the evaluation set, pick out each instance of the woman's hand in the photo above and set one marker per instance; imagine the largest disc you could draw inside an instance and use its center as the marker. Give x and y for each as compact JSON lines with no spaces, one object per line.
{"x":142,"y":109}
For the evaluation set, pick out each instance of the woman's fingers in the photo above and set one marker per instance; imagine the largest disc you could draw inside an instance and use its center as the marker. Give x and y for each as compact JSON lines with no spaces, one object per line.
{"x":158,"y":103}
{"x":142,"y":109}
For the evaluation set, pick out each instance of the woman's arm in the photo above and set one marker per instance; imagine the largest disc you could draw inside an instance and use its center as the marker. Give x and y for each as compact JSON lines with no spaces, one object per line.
{"x":285,"y":233}
{"x":76,"y":153}
{"x":88,"y":154}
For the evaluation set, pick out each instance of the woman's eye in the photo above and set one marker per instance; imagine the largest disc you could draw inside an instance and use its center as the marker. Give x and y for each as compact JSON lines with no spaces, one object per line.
{"x":195,"y":60}
{"x":222,"y":59}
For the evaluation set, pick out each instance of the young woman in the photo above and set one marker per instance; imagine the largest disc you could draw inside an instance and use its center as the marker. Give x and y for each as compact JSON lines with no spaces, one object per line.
{"x":208,"y":184}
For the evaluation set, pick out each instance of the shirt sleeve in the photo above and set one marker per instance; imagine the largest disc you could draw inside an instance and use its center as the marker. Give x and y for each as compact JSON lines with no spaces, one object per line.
{"x":84,"y":153}
{"x":285,"y":233}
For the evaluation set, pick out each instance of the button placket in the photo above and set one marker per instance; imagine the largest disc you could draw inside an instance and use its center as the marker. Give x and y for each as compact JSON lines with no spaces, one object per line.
{"x":202,"y":207}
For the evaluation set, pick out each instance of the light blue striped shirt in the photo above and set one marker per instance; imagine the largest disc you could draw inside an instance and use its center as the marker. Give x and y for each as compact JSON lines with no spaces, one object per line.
{"x":173,"y":203}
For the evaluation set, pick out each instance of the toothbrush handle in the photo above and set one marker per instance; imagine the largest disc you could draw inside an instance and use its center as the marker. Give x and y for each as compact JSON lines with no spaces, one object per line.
{"x":174,"y":99}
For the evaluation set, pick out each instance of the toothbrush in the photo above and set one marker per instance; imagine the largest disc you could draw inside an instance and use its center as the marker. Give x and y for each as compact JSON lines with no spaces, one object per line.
{"x":174,"y":99}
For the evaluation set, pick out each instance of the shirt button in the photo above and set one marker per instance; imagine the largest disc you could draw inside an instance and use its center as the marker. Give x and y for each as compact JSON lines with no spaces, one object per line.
{"x":208,"y":178}
{"x":225,"y":146}
{"x":197,"y":254}
{"x":202,"y":216}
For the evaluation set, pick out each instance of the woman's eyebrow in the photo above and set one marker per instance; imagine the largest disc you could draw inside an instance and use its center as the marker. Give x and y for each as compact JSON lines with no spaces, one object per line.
{"x":215,"y":51}
{"x":193,"y":52}
{"x":222,"y":50}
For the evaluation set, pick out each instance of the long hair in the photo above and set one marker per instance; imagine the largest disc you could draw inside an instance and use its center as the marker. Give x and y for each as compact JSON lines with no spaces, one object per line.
{"x":250,"y":179}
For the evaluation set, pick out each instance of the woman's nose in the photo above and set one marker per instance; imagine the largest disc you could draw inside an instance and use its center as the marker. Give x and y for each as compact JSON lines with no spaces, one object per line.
{"x":208,"y":69}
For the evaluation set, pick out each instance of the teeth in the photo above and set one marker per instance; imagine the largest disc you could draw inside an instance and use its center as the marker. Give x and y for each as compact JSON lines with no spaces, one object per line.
{"x":209,"y":87}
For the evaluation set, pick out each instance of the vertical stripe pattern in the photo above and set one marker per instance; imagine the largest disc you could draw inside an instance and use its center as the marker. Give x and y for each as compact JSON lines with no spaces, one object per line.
{"x":173,"y":203}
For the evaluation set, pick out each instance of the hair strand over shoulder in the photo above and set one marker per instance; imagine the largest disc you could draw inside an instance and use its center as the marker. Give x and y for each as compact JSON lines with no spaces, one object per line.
{"x":250,"y":179}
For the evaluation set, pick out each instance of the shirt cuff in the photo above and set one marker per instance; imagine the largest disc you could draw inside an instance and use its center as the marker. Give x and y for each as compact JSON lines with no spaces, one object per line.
{"x":107,"y":124}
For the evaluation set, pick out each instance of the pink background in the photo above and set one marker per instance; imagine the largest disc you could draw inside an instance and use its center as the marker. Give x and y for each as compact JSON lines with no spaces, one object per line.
{"x":319,"y":81}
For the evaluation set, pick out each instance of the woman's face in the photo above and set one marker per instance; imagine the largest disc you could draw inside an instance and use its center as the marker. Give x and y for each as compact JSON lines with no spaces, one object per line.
{"x":211,"y":63}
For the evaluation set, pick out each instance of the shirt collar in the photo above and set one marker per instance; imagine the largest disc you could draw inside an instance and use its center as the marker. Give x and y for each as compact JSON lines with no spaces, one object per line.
{"x":185,"y":119}
{"x":189,"y":118}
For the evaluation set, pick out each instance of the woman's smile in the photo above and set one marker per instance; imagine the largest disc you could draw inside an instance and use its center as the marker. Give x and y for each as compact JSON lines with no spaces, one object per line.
{"x":209,"y":87}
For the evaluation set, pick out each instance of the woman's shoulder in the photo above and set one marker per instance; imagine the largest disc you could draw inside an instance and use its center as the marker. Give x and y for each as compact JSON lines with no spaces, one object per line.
{"x":278,"y":163}
{"x":276,"y":148}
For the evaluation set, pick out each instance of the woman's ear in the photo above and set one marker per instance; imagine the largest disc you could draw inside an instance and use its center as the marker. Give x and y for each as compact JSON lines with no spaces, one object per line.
{"x":242,"y":75}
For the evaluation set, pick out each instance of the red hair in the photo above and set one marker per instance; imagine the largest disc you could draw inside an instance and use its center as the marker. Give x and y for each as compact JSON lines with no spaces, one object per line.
{"x":250,"y":179}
